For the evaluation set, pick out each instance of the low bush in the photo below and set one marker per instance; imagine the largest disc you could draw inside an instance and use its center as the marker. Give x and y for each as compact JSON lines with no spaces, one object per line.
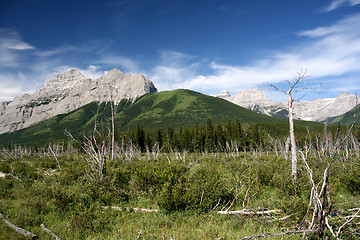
{"x":199,"y":189}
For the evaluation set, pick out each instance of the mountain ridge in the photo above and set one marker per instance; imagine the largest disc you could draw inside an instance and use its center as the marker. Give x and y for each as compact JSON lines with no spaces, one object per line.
{"x":176,"y":108}
{"x":68,"y":91}
{"x":318,"y":110}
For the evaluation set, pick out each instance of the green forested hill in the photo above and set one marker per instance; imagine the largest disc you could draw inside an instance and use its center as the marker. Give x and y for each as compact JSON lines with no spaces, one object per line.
{"x":177,"y":108}
{"x":184,"y":108}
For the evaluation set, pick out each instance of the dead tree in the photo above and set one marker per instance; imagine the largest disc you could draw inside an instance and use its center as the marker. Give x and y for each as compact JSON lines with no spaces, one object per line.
{"x":18,"y":229}
{"x":320,"y":198}
{"x":97,"y":154}
{"x":296,"y":85}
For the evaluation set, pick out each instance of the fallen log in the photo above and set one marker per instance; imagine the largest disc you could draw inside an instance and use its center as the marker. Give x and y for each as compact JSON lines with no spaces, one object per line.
{"x":145,"y":210}
{"x":246,"y":212}
{"x":280,"y":234}
{"x":18,"y":229}
{"x":49,"y":231}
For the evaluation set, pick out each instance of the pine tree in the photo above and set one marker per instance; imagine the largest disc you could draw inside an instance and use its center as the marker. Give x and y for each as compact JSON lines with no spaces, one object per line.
{"x":219,"y":135}
{"x":186,"y":140}
{"x":159,"y":137}
{"x":139,"y":138}
{"x":238,"y":135}
{"x":170,"y":139}
{"x":197,"y":139}
{"x":210,"y":136}
{"x":147,"y":140}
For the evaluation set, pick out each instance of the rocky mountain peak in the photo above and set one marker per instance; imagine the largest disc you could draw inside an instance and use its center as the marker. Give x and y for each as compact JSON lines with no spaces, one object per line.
{"x":223,"y":94}
{"x":71,"y":75}
{"x":68,"y":91}
{"x":114,"y":72}
{"x":252,"y":97}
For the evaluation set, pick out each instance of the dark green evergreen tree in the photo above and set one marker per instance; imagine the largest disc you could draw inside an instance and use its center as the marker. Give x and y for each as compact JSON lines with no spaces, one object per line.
{"x":170,"y":141}
{"x":186,"y":140}
{"x":139,"y":137}
{"x":238,"y":134}
{"x":210,"y":136}
{"x":197,"y":139}
{"x":148,"y":142}
{"x":159,"y":137}
{"x":220,"y":136}
{"x":228,"y":127}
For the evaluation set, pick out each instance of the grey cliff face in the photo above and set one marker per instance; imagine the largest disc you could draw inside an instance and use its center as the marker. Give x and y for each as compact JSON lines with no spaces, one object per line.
{"x":321,"y":109}
{"x":66,"y":92}
{"x":318,"y":110}
{"x":255,"y":100}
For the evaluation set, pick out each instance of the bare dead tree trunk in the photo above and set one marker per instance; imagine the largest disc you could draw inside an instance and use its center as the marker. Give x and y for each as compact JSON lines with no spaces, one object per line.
{"x":293,"y":88}
{"x":112,"y":130}
{"x":292,"y":136}
{"x":49,"y":232}
{"x":18,"y":229}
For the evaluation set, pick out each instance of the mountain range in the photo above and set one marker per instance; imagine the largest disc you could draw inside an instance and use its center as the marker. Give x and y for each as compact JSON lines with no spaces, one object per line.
{"x":177,"y":108}
{"x":318,"y":110}
{"x":73,"y":102}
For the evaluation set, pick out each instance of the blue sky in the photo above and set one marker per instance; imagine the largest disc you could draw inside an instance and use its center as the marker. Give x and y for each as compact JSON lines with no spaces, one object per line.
{"x":203,"y":45}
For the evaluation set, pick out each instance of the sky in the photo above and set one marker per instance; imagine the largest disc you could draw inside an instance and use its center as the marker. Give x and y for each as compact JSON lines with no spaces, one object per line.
{"x":203,"y":45}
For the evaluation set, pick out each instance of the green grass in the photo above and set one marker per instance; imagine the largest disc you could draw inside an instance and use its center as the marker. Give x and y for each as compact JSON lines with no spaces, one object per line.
{"x":70,"y":204}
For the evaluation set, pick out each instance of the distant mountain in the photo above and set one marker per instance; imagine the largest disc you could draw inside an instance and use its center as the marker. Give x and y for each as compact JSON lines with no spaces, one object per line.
{"x":178,"y":108}
{"x":347,"y":118}
{"x":256,"y":101}
{"x":318,"y":110}
{"x":67,"y":92}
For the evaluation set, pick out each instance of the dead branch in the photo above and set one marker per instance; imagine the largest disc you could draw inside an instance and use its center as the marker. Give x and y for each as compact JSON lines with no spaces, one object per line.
{"x":280,"y":234}
{"x":247,"y":192}
{"x":247,"y":212}
{"x":144,"y":210}
{"x":49,"y":231}
{"x":347,"y":222}
{"x":54,"y":154}
{"x":18,"y":229}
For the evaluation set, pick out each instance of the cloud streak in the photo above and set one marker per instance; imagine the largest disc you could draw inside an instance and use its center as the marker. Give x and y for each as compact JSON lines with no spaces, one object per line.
{"x":329,"y":53}
{"x":335,"y":4}
{"x":25,"y":68}
{"x":326,"y":52}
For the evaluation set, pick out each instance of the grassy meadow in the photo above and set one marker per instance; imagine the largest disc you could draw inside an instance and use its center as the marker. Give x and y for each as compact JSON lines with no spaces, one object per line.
{"x":65,"y":189}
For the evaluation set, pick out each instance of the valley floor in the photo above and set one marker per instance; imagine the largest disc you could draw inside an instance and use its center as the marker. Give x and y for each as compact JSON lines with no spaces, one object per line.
{"x":67,"y":193}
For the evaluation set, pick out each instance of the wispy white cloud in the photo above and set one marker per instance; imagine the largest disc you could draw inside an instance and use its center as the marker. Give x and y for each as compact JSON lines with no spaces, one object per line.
{"x":124,"y":63}
{"x":335,"y":4}
{"x":11,"y":48}
{"x":346,"y":26}
{"x":24,"y":68}
{"x":11,"y":85}
{"x":173,"y":70}
{"x":326,"y":52}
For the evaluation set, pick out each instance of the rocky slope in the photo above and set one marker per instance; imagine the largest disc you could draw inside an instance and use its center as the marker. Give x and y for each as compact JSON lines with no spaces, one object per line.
{"x":68,"y":91}
{"x":255,"y":100}
{"x":318,"y":110}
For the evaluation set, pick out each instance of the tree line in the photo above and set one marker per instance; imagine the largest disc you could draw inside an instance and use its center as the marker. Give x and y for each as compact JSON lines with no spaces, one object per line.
{"x":200,"y":138}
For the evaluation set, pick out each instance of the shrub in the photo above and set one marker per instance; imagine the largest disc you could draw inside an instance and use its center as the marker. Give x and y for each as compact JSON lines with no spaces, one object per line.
{"x":25,"y":171}
{"x":351,"y":179}
{"x":150,"y":176}
{"x":201,"y":188}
